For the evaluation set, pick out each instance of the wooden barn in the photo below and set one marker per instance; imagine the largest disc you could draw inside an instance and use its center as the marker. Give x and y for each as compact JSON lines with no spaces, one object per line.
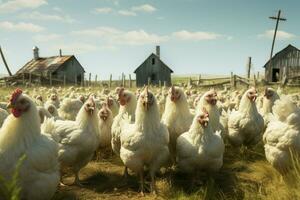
{"x":284,"y":66}
{"x":61,"y":67}
{"x":153,"y":71}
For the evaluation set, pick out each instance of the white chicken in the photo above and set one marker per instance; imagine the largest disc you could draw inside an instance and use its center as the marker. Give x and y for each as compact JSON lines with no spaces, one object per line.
{"x":269,"y":99}
{"x":69,"y":108}
{"x":39,"y":100}
{"x":21,"y":135}
{"x":283,"y":134}
{"x":245,"y":126}
{"x":105,"y":123}
{"x":43,"y":113}
{"x":176,"y":117}
{"x":209,"y":102}
{"x":113,"y":105}
{"x":201,"y":148}
{"x":145,"y":143}
{"x":53,"y":111}
{"x":3,"y":116}
{"x":53,"y":99}
{"x":128,"y":103}
{"x":78,"y":140}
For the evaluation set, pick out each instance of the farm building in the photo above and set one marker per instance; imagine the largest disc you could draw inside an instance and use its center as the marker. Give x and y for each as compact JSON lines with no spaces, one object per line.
{"x":284,"y":65}
{"x":60,"y":67}
{"x":154,"y":70}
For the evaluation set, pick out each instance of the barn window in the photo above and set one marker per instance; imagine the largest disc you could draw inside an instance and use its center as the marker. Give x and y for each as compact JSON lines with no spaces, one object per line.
{"x":153,"y":61}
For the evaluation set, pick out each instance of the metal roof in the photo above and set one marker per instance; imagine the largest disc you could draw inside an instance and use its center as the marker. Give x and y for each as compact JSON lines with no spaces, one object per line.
{"x":283,"y":51}
{"x":152,"y":54}
{"x":44,"y":65}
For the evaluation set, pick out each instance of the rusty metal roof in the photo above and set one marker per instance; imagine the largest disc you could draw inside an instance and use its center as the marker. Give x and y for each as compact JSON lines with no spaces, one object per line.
{"x":44,"y":65}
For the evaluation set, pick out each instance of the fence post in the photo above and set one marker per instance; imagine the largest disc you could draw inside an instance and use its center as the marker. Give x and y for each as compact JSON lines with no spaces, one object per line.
{"x":96,"y":79}
{"x":50,"y":78}
{"x":149,"y":81}
{"x":130,"y":84}
{"x":30,"y":78}
{"x":165,"y":84}
{"x":110,"y":80}
{"x":41,"y":76}
{"x":23,"y":79}
{"x":233,"y":80}
{"x":90,"y":79}
{"x":64,"y":79}
{"x":254,"y":80}
{"x":159,"y":82}
{"x":199,"y":79}
{"x":82,"y":80}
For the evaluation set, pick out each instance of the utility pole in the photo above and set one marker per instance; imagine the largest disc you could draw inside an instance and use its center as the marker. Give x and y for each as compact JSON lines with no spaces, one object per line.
{"x":249,"y":67}
{"x":277,"y":18}
{"x":5,"y":63}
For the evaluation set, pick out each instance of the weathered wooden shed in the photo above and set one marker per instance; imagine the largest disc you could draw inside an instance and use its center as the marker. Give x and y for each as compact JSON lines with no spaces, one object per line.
{"x":60,"y":67}
{"x":154,"y":70}
{"x":284,"y":65}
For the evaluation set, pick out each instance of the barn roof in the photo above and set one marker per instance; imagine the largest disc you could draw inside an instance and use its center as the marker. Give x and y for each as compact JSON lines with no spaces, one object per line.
{"x":45,"y":64}
{"x":282,"y":52}
{"x":152,"y":54}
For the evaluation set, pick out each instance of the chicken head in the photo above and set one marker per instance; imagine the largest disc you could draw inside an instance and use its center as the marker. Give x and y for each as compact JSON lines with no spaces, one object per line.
{"x":252,"y":94}
{"x":18,"y":103}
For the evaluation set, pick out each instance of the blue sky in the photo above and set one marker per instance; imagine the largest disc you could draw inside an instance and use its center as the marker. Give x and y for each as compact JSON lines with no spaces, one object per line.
{"x":115,"y":36}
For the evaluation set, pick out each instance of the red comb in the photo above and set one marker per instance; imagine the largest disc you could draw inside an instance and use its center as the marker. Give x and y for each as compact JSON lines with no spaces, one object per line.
{"x":15,"y":95}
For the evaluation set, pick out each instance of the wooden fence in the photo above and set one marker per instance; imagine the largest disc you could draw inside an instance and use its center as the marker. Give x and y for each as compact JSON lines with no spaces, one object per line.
{"x":87,"y":80}
{"x":233,"y":80}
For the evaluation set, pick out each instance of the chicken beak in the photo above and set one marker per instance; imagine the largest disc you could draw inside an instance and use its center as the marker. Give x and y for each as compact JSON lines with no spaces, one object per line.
{"x":91,"y":110}
{"x":146,"y":103}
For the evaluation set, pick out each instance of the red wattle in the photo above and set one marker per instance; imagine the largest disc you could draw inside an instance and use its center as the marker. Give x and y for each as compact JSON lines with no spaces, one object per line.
{"x":122,"y":102}
{"x":17,"y":113}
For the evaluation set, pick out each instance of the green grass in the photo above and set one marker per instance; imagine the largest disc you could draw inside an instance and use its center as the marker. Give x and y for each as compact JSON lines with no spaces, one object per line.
{"x":9,"y":190}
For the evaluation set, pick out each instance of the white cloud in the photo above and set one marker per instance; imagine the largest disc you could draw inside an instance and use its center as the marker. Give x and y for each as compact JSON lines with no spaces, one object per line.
{"x":281,"y":35}
{"x":141,"y":37}
{"x":115,"y":36}
{"x":16,"y":5}
{"x":195,"y":36}
{"x":46,"y":37}
{"x":104,"y":10}
{"x":126,"y":13}
{"x":46,"y":17}
{"x":57,"y":9}
{"x":144,"y":8}
{"x":21,"y":26}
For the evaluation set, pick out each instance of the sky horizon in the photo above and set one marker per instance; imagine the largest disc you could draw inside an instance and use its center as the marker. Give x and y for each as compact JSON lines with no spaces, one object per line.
{"x":115,"y":36}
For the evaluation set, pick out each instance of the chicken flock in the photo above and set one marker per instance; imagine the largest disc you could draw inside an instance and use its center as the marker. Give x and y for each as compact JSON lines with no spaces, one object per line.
{"x":172,"y":128}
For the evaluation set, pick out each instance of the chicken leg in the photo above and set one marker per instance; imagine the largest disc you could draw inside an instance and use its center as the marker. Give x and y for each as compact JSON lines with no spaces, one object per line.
{"x":142,"y":182}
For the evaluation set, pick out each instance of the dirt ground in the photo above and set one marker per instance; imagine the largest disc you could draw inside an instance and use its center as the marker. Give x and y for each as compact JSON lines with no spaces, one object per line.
{"x":245,"y":175}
